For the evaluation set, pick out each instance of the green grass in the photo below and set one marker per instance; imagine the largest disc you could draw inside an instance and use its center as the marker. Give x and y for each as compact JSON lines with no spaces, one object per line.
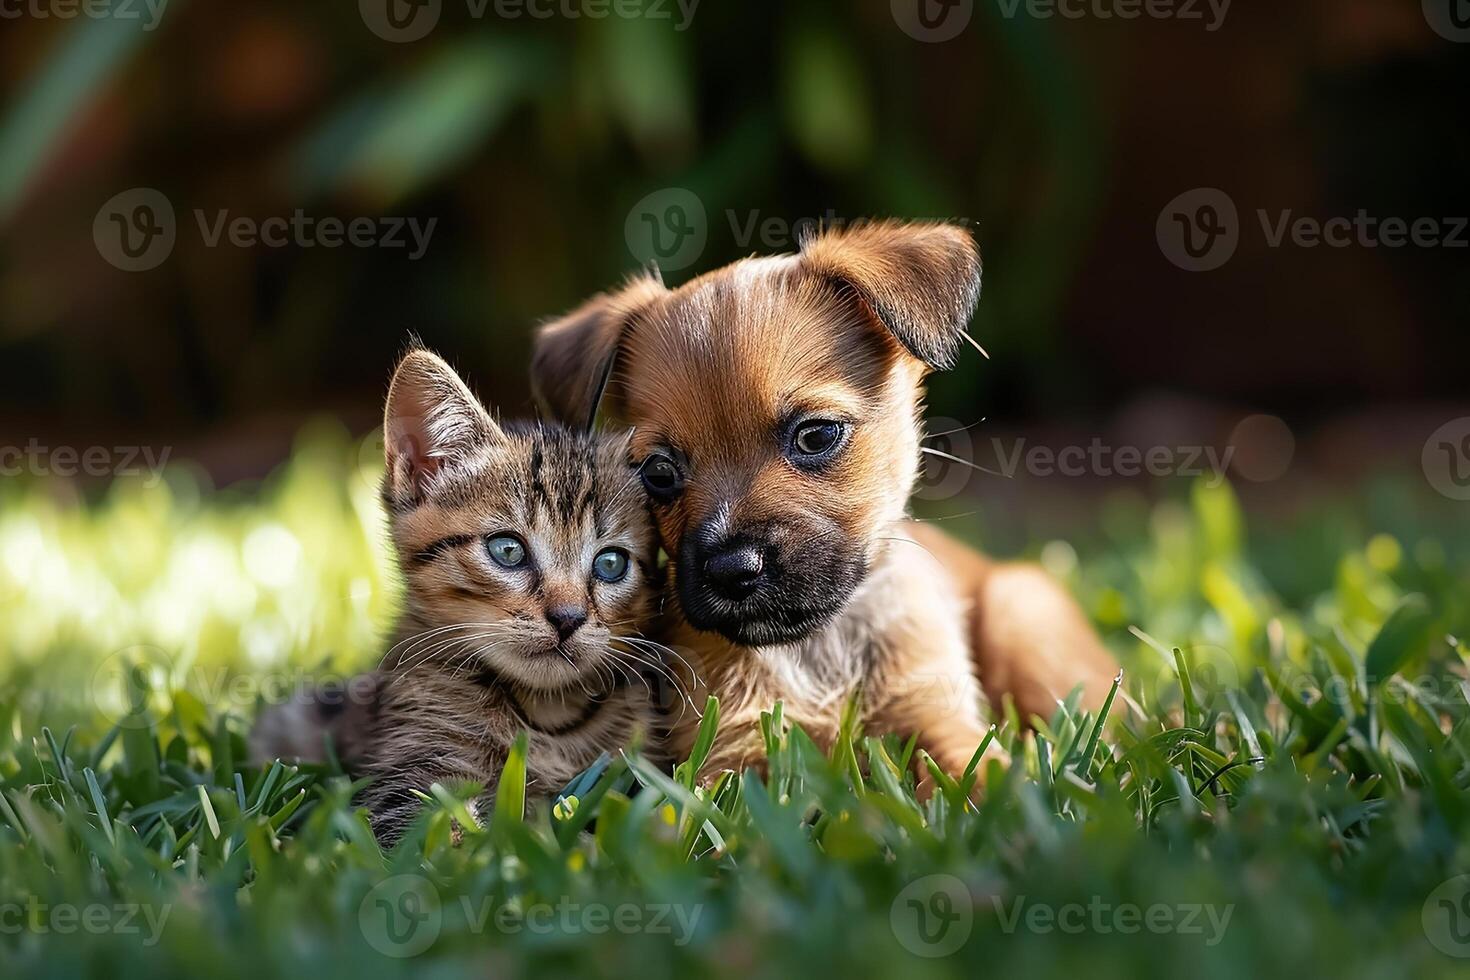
{"x":1279,"y":789}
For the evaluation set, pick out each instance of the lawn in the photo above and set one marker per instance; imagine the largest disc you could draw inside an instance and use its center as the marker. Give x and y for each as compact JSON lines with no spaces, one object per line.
{"x":1279,"y":788}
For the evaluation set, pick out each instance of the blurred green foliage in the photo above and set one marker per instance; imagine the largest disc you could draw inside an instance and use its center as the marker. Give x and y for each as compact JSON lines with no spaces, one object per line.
{"x":530,"y":140}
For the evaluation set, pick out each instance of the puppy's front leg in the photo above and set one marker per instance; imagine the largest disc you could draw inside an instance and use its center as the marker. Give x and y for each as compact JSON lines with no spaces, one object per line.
{"x":924,"y":681}
{"x":940,"y":703}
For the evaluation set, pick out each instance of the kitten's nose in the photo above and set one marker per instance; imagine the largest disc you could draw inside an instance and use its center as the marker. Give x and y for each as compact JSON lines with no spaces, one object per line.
{"x":736,"y":571}
{"x":566,"y":619}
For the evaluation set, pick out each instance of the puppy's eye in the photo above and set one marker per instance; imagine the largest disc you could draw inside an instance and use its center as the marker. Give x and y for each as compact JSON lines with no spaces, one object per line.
{"x":506,"y":551}
{"x":816,"y":438}
{"x":661,"y":477}
{"x":610,"y":565}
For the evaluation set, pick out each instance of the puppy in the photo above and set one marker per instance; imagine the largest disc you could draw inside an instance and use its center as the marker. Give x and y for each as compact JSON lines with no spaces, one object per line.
{"x":776,"y":406}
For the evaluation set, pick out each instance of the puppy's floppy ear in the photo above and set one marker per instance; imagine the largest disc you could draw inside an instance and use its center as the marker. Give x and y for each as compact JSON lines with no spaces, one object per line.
{"x":431,"y":420}
{"x":920,"y":280}
{"x":573,"y":355}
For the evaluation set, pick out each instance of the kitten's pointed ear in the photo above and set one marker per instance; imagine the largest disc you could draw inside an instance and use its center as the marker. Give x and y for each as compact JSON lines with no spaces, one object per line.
{"x":921,"y":281}
{"x":573,"y":355}
{"x":431,"y":420}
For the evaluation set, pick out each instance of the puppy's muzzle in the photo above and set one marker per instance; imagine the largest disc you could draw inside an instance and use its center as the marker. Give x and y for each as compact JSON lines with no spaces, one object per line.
{"x":767,"y":583}
{"x":735,"y":572}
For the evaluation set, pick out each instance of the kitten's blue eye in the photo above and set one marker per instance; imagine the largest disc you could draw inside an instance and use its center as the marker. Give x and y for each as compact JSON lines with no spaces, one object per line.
{"x":506,"y":551}
{"x":610,"y":565}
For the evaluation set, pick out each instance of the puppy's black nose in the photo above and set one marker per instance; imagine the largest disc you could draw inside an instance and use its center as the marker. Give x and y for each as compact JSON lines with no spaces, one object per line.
{"x":735,"y":572}
{"x":566,"y":619}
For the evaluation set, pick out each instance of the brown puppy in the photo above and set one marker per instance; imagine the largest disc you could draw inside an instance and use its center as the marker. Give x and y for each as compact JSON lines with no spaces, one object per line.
{"x":776,"y":413}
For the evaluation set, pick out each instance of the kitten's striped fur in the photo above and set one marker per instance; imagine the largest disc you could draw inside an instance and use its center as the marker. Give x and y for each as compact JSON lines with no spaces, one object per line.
{"x":476,"y":658}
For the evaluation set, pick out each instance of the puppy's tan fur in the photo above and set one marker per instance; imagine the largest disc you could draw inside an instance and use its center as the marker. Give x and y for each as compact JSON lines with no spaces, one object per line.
{"x":847,"y":329}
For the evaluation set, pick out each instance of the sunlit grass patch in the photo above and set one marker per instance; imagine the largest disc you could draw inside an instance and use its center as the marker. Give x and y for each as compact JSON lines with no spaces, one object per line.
{"x":1280,"y":786}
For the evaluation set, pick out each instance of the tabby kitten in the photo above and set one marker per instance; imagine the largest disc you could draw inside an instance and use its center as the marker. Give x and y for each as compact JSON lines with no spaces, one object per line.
{"x":529,"y":560}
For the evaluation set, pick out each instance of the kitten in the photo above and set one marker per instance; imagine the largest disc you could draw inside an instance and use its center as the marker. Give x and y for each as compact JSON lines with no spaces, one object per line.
{"x":530,"y":565}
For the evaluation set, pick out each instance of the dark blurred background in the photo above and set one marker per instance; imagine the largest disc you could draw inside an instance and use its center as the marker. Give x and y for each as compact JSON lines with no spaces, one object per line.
{"x":533,"y":142}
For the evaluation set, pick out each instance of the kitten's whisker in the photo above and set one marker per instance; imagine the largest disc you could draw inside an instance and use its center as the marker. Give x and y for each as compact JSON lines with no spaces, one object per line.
{"x":439,"y":632}
{"x":447,"y":643}
{"x":659,"y":667}
{"x":653,"y":656}
{"x":660,"y":648}
{"x":624,"y":669}
{"x":414,"y":638}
